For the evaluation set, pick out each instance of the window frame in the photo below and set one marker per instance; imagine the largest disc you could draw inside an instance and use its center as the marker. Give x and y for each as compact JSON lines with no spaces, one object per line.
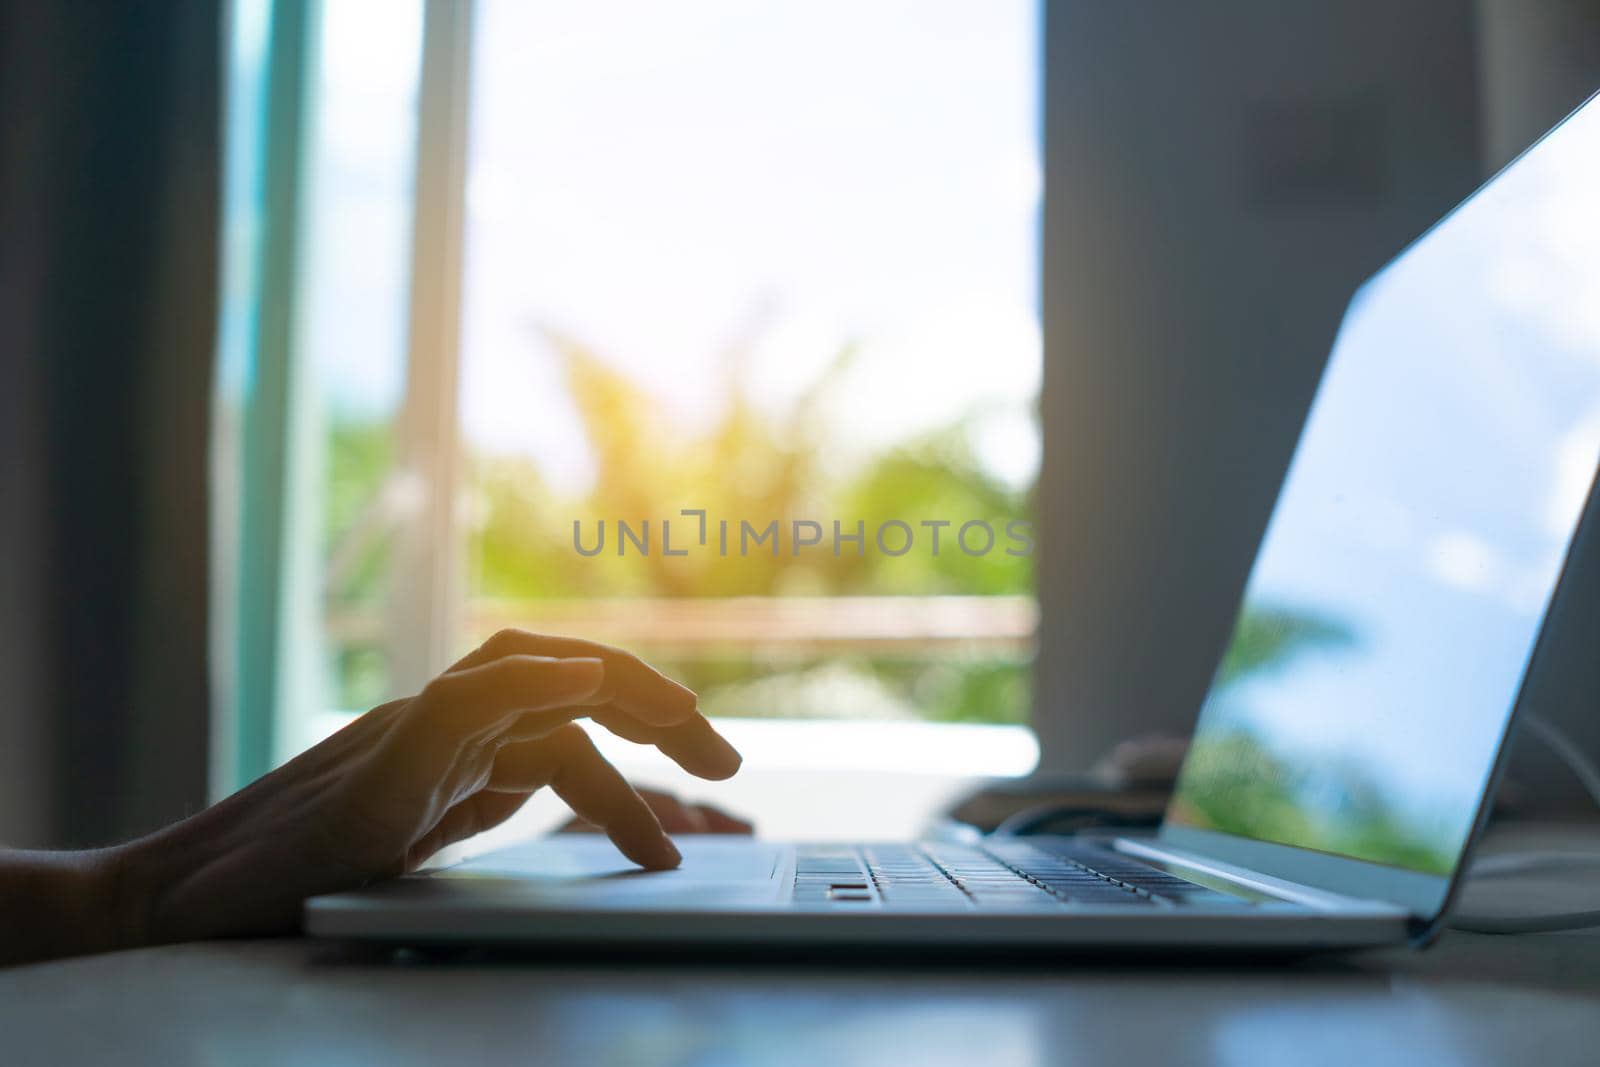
{"x":428,"y":563}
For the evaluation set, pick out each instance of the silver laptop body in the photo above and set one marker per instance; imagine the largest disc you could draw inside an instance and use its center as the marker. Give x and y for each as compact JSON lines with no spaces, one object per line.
{"x":1347,"y":751}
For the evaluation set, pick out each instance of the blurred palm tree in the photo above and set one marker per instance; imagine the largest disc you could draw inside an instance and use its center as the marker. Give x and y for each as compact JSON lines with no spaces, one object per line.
{"x":747,"y":465}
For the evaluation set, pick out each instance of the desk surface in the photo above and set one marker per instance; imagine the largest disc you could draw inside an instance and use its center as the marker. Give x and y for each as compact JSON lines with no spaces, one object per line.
{"x":1471,"y":999}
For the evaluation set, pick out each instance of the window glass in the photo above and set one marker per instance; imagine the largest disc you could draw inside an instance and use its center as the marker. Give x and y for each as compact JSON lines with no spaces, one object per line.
{"x":776,"y":264}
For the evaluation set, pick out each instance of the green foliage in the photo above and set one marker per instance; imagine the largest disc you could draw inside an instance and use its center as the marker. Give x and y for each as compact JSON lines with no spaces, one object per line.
{"x":1237,"y":784}
{"x":360,"y":454}
{"x":749,"y":465}
{"x":356,"y":552}
{"x":746,"y":466}
{"x":935,"y":478}
{"x":519,"y":551}
{"x":1267,"y":637}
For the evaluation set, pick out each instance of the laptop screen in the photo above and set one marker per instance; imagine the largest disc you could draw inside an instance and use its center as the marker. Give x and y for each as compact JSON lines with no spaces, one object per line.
{"x":1407,"y":566}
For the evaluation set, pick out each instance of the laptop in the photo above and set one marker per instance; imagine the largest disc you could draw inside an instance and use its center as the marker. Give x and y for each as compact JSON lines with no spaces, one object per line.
{"x":1347,"y":751}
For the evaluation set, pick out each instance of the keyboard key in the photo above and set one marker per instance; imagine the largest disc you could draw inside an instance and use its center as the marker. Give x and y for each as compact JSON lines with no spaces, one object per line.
{"x":1012,"y":876}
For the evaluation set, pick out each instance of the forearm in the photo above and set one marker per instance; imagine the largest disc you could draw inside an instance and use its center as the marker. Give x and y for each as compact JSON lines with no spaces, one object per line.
{"x":58,"y":904}
{"x":207,"y":876}
{"x":231,"y":870}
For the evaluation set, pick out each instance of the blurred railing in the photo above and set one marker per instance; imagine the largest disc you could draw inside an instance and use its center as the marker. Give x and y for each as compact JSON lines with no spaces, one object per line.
{"x":690,"y":628}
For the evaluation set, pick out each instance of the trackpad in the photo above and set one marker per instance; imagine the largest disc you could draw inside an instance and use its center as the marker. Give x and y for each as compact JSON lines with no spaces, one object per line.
{"x":717,"y":870}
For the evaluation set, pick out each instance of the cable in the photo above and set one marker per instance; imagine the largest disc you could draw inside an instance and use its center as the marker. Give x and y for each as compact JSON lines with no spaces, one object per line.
{"x":1584,"y":770}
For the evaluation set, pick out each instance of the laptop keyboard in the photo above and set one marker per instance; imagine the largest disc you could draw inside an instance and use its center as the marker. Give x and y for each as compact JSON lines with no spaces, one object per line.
{"x":1008,"y":875}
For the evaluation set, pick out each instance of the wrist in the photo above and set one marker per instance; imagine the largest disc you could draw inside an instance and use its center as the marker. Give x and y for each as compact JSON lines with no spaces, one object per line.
{"x":127,"y":888}
{"x":200,"y":878}
{"x":141,"y":878}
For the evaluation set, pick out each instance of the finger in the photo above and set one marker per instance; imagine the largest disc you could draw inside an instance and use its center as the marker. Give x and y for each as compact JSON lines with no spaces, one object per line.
{"x":720,"y":822}
{"x":692,"y":744}
{"x":568,"y":763}
{"x":679,"y":817}
{"x":630,"y":683}
{"x":495,"y":808}
{"x":675,"y":816}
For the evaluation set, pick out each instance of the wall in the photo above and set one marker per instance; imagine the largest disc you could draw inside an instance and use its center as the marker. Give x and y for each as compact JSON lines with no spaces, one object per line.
{"x":25,"y":770}
{"x":108,"y":189}
{"x":1220,"y":176}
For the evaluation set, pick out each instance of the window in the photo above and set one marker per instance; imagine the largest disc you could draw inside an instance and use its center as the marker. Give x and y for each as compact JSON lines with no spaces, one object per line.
{"x":768,"y":266}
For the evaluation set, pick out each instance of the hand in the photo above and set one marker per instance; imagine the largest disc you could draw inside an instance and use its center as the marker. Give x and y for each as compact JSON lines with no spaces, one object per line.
{"x":406,"y":779}
{"x":676,"y":817}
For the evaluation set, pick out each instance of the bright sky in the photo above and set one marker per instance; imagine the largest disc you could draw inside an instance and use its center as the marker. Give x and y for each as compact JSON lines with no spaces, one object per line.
{"x":659,"y":179}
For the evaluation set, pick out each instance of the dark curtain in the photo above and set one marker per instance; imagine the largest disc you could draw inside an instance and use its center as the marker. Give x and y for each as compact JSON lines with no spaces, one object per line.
{"x":109,"y":206}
